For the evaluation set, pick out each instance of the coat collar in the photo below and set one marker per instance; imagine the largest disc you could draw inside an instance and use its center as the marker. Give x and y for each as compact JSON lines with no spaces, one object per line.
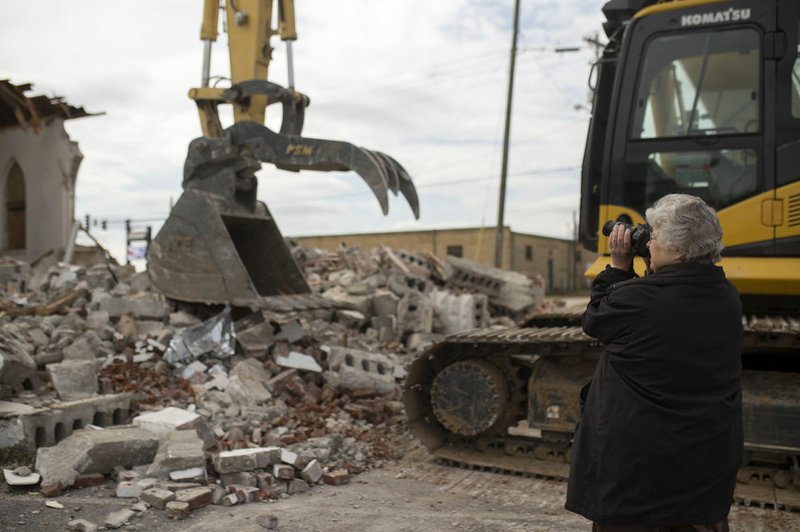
{"x":683,"y":273}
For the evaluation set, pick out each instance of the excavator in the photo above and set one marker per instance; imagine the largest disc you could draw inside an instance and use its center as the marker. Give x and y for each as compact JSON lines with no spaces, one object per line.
{"x":220,"y":244}
{"x":690,"y":96}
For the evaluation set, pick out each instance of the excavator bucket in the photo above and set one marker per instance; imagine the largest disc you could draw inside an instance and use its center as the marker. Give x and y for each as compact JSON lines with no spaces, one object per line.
{"x":221,"y":245}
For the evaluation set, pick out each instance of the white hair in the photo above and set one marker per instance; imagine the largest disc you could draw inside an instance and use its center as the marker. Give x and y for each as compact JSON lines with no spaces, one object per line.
{"x":686,"y":224}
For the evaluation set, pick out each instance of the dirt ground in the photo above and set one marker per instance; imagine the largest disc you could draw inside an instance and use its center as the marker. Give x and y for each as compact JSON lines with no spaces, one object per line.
{"x":409,"y":494}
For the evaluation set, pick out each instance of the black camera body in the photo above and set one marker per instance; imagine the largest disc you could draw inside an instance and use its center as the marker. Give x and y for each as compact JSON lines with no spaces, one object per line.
{"x":640,"y":236}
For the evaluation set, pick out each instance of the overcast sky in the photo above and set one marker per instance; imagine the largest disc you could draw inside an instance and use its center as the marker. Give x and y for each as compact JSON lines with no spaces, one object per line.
{"x":424,"y":81}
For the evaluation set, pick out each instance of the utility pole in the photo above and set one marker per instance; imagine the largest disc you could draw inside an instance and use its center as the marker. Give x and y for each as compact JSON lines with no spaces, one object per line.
{"x":498,"y":252}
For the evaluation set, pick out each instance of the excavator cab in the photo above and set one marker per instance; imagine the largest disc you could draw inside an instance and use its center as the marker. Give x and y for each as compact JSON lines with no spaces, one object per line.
{"x":220,"y":244}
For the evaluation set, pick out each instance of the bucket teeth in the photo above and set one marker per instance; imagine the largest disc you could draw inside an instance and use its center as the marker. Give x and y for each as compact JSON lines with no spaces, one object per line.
{"x":295,"y":153}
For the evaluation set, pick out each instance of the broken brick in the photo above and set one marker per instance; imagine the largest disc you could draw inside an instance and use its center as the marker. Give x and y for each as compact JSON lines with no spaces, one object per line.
{"x":312,"y":472}
{"x":337,"y":477}
{"x":51,"y":489}
{"x":194,"y":497}
{"x":89,"y":480}
{"x":157,"y":497}
{"x":283,"y":471}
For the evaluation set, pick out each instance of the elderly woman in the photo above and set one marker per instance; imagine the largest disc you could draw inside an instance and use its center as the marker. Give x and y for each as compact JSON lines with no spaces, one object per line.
{"x":660,"y":438}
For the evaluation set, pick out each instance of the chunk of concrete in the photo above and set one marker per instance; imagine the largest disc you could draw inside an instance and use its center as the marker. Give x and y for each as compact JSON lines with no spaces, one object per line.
{"x":182,"y":319}
{"x":312,"y":472}
{"x":353,"y":369}
{"x":510,"y":291}
{"x":119,"y":518}
{"x":95,"y":451}
{"x":384,"y":303}
{"x":179,"y":450}
{"x":248,"y":383}
{"x":462,"y":312}
{"x":74,"y":379}
{"x":415,"y":313}
{"x":246,"y":459}
{"x":299,"y":361}
{"x":164,"y":421}
{"x":16,"y":363}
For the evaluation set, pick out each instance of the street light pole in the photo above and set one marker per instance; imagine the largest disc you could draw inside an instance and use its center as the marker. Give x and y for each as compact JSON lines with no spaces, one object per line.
{"x":498,"y":252}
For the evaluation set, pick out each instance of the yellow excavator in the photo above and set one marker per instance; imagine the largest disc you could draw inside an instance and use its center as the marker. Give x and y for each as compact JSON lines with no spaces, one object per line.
{"x":220,"y":244}
{"x":690,"y":96}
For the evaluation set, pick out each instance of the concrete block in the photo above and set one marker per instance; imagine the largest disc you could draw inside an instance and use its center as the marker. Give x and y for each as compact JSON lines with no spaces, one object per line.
{"x":511,"y":291}
{"x":264,"y":479}
{"x":243,"y":478}
{"x":194,"y":497}
{"x":246,"y":459}
{"x":354,"y":369}
{"x":178,"y":510}
{"x":119,"y":518}
{"x":129,"y":489}
{"x":289,"y":457}
{"x":163,"y":422}
{"x":95,"y":451}
{"x":157,"y":497}
{"x":179,"y":450}
{"x":74,"y":379}
{"x":462,"y":312}
{"x":312,"y":472}
{"x":283,"y":471}
{"x":415,"y":313}
{"x":191,"y":474}
{"x":386,"y":327}
{"x":384,"y":304}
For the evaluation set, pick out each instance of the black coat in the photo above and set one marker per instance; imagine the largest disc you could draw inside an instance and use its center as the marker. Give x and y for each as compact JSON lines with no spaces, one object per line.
{"x":660,"y":438}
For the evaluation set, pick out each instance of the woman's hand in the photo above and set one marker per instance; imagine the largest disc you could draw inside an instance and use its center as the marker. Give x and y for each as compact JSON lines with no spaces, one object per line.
{"x":619,"y":242}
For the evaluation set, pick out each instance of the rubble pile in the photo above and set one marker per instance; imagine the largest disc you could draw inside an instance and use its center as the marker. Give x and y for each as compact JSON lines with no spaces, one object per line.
{"x":187,"y":406}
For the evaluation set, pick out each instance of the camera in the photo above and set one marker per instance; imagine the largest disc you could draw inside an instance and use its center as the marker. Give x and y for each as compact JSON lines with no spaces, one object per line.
{"x":640,"y":236}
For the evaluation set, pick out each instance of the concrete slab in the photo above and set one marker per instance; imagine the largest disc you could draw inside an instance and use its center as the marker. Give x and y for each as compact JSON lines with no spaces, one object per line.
{"x":163,"y":422}
{"x":95,"y":451}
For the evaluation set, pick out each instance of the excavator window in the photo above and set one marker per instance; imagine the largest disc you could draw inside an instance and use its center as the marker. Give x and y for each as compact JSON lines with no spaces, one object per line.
{"x":699,"y":84}
{"x":796,"y":84}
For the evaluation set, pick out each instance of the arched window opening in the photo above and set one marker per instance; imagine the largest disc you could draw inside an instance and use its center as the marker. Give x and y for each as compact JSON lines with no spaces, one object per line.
{"x":15,"y":208}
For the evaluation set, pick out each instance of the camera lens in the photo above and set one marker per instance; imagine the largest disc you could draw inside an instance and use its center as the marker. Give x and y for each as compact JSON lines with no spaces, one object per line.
{"x":609,"y":226}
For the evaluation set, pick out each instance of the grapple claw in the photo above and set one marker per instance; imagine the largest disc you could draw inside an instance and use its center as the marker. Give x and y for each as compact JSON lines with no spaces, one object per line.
{"x":407,"y":187}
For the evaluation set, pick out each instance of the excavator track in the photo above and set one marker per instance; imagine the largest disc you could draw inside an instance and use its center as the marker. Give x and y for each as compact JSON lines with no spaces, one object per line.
{"x":509,"y":446}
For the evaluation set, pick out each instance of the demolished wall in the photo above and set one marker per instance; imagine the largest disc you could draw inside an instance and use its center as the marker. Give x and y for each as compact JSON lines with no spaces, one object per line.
{"x":184,"y":406}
